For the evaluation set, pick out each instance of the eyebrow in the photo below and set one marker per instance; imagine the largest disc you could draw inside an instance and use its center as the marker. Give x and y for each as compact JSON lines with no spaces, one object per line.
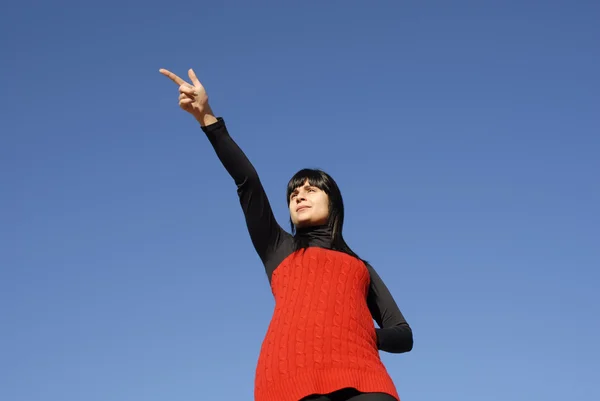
{"x":295,"y":191}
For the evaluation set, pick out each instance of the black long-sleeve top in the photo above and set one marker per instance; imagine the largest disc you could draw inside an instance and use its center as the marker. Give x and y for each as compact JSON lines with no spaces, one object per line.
{"x":273,"y":244}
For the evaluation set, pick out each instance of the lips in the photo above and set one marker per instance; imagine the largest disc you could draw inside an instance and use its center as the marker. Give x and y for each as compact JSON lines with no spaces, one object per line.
{"x":301,"y":208}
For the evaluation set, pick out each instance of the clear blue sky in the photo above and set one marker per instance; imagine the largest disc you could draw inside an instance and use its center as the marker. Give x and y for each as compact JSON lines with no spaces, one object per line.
{"x":465,"y":136}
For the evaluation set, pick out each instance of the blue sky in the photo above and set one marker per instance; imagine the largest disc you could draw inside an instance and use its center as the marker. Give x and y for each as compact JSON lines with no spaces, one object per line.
{"x":464,"y":136}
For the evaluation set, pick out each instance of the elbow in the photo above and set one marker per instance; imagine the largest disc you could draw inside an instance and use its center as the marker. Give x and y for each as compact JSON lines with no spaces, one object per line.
{"x":409,"y":341}
{"x":397,"y":339}
{"x":405,"y":341}
{"x":248,"y":182}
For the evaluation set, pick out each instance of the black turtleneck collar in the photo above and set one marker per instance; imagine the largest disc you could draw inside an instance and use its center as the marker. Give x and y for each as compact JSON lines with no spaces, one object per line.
{"x":319,"y":236}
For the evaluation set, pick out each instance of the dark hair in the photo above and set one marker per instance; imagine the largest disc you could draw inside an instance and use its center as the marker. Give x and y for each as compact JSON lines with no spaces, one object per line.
{"x":324,"y":182}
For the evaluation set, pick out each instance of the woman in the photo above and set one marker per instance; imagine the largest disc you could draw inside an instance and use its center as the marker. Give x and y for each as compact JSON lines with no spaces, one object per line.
{"x":321,"y":344}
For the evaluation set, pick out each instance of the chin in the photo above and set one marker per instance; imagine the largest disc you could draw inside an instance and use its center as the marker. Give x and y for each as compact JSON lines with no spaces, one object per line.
{"x":309,"y":223}
{"x":304,"y":223}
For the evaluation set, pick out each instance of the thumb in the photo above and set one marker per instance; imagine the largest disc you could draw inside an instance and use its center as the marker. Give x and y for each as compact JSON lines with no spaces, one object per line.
{"x":194,"y":78}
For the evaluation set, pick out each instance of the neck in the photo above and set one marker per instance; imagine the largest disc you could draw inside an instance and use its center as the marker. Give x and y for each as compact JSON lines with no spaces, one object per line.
{"x":320,"y":236}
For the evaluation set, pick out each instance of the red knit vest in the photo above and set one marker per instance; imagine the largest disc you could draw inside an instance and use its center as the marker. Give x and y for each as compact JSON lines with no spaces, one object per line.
{"x":321,"y":337}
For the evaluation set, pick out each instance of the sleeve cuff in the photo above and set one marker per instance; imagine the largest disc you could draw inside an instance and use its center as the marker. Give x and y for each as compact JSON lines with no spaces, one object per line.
{"x":214,"y":126}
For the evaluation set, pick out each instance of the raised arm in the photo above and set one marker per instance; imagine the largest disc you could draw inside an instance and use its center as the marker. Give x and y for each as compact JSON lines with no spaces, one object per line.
{"x":264,"y":230}
{"x":394,"y":335}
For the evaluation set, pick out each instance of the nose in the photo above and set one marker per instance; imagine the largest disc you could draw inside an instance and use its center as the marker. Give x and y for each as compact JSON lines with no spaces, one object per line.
{"x":300,"y":198}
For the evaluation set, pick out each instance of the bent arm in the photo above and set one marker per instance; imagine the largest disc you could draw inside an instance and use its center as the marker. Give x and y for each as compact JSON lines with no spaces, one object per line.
{"x":394,"y":335}
{"x":264,"y":230}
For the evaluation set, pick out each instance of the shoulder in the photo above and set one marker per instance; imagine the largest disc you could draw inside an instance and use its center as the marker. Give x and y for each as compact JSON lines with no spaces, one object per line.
{"x":280,"y":251}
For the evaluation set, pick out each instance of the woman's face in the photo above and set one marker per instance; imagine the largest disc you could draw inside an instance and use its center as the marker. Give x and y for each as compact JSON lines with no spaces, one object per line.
{"x":309,"y":206}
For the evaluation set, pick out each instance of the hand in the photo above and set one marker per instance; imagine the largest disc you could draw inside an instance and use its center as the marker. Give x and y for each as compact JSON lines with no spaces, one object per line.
{"x":192,"y":97}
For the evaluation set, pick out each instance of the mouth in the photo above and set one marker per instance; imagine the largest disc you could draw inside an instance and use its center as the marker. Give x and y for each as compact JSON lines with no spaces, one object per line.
{"x":301,"y":208}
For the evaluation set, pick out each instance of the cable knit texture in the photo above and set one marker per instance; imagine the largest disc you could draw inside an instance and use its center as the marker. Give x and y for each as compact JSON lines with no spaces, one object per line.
{"x":321,"y":337}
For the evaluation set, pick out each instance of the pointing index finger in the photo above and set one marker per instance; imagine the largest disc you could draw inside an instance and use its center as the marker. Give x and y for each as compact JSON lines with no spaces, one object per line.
{"x":173,"y":77}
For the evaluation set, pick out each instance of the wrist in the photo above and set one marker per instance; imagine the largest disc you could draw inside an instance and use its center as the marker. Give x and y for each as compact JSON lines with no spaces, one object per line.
{"x":207,"y":117}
